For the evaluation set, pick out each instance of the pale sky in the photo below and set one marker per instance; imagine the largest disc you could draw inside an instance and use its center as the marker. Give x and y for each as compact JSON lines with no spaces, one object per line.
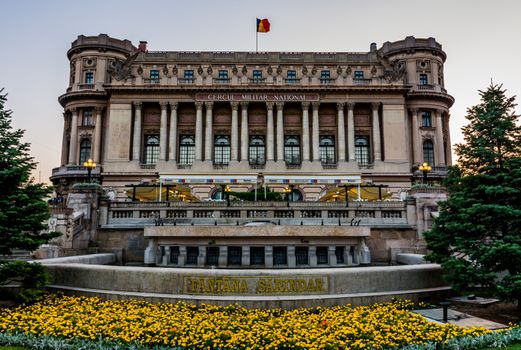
{"x":481,"y":39}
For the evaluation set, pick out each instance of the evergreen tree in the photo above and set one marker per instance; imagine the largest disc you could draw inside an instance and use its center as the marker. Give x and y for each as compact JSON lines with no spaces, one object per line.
{"x":23,"y":209}
{"x":477,"y":236}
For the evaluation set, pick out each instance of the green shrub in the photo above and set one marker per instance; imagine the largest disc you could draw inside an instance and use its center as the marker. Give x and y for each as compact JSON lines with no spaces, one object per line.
{"x":32,"y":278}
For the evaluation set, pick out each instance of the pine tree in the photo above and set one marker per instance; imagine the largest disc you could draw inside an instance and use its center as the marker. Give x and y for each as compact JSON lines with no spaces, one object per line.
{"x":23,"y":209}
{"x":477,"y":236}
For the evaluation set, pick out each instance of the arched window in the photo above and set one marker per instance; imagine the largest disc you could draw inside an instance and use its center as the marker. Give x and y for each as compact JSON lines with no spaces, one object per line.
{"x":151,"y":149}
{"x":292,"y":150}
{"x":221,"y":150}
{"x":362,"y":149}
{"x":186,"y":149}
{"x":257,"y":150}
{"x":85,"y":146}
{"x":428,"y":152}
{"x":327,"y":150}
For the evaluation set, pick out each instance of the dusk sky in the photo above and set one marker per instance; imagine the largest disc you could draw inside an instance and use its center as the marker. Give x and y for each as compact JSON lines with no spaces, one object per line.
{"x":481,"y":39}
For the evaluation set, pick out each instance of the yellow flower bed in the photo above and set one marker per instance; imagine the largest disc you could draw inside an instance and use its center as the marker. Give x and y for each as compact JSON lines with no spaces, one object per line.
{"x":343,"y":327}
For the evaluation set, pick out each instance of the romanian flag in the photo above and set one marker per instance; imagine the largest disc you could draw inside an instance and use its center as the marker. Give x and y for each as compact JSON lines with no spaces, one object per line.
{"x":263,"y":25}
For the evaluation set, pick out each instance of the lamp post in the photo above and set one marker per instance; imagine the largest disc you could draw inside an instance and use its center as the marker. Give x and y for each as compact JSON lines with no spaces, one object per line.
{"x":287,"y":192}
{"x":425,"y":168}
{"x":227,"y":190}
{"x":89,"y":164}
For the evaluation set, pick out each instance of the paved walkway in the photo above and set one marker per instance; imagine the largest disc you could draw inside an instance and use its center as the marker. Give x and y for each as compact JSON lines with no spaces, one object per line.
{"x":458,"y":318}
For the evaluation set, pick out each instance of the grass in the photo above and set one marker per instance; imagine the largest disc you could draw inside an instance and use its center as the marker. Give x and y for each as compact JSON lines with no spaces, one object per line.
{"x":515,"y":346}
{"x":12,"y":348}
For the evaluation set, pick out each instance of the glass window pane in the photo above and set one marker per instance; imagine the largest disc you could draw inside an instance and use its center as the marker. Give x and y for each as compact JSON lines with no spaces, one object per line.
{"x":327,"y":150}
{"x":428,"y":152}
{"x":280,"y":256}
{"x":234,"y":256}
{"x":85,"y":146}
{"x":301,"y":255}
{"x":187,"y":149}
{"x":221,"y":150}
{"x":362,"y":149}
{"x":322,"y":257}
{"x":151,"y":150}
{"x":257,"y":150}
{"x":292,"y":150}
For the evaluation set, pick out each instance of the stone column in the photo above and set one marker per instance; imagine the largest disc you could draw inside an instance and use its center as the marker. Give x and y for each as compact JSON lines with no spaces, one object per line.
{"x":66,"y":123}
{"x":312,"y":256}
{"x":163,"y":131}
{"x":201,"y":258}
{"x":305,"y":131}
{"x":448,"y":149}
{"x":331,"y":255}
{"x":244,"y":131}
{"x":198,"y":131}
{"x":245,"y":260}
{"x":351,"y":130}
{"x":97,"y":135}
{"x":415,"y":137}
{"x":280,"y":131}
{"x":315,"y":137}
{"x":73,"y":146}
{"x":269,"y":132}
{"x":181,"y":260}
{"x":268,"y":256}
{"x":166,"y":257}
{"x":292,"y":259}
{"x":172,"y":141}
{"x":376,"y":132}
{"x":223,"y":256}
{"x":136,"y":142}
{"x":440,"y":149}
{"x":235,"y":132}
{"x":341,"y":132}
{"x":209,"y":132}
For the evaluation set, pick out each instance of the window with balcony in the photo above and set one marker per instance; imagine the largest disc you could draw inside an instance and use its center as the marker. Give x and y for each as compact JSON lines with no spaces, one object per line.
{"x":327,"y":150}
{"x":89,"y":77}
{"x":359,"y":75}
{"x":186,"y":149}
{"x":154,"y":76}
{"x":85,"y":147}
{"x":426,"y":119}
{"x":86,"y":119}
{"x":428,"y":152}
{"x":151,"y":149}
{"x":362,"y":149}
{"x":257,"y":150}
{"x":221,"y":150}
{"x":292,"y":150}
{"x":424,"y":79}
{"x":325,"y":76}
{"x":291,"y":77}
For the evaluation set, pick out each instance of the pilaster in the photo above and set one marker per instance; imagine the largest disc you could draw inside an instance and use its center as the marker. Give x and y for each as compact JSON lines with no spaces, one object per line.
{"x":136,"y":141}
{"x":376,"y":132}
{"x":73,"y":147}
{"x":351,"y":130}
{"x":415,"y":137}
{"x":97,"y":135}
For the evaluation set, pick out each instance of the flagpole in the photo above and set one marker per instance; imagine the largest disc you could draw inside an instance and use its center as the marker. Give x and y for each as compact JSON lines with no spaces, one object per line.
{"x":256,"y":41}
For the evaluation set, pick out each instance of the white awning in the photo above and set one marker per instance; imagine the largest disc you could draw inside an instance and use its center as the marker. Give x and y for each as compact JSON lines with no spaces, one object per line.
{"x":266,"y":179}
{"x":208,"y":179}
{"x":339,"y":179}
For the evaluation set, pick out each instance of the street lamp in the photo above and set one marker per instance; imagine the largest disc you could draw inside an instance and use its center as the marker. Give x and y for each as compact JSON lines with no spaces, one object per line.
{"x":287,"y":192}
{"x":425,"y":168}
{"x":227,"y":190}
{"x":89,"y":164}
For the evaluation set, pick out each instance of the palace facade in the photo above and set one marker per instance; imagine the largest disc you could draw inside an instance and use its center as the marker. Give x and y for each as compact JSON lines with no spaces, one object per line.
{"x":172,"y":131}
{"x":198,"y":116}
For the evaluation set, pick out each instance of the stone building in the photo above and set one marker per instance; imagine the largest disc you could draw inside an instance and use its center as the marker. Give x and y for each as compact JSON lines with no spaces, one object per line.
{"x":302,"y":123}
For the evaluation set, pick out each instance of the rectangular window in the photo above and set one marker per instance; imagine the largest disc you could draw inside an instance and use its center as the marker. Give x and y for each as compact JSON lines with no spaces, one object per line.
{"x":339,"y":252}
{"x":212,"y":256}
{"x":327,"y":150}
{"x":186,"y":149}
{"x":257,"y":74}
{"x":424,"y":79}
{"x":223,"y":74}
{"x":292,"y":150}
{"x":174,"y":255}
{"x":256,"y":255}
{"x":359,"y":74}
{"x":86,"y":120}
{"x":322,"y":258}
{"x":154,"y":74}
{"x":325,"y":76}
{"x":191,"y":255}
{"x":89,"y":78}
{"x":280,"y":256}
{"x":426,"y":119}
{"x":257,"y":150}
{"x":292,"y":77}
{"x":151,"y":149}
{"x":302,"y":255}
{"x":221,"y":150}
{"x":189,"y":74}
{"x":362,"y":149}
{"x":234,"y":256}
